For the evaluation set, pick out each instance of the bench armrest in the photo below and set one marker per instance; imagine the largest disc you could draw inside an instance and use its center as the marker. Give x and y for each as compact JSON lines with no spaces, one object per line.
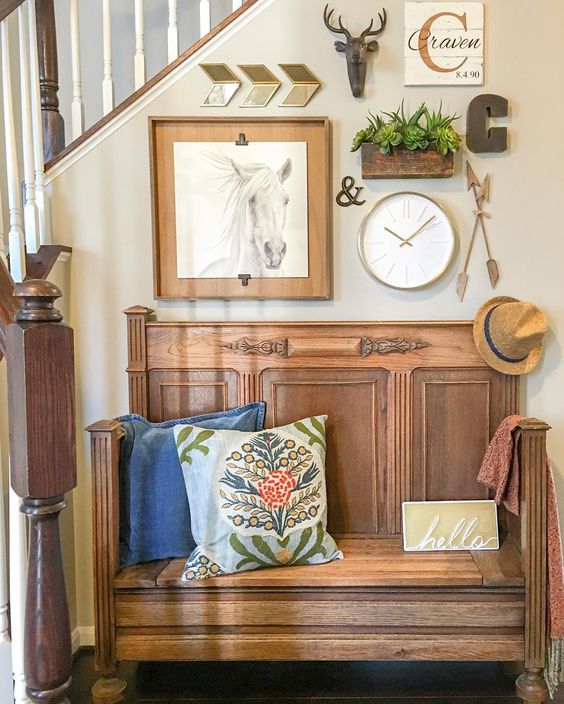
{"x":533,"y":464}
{"x":105,"y":441}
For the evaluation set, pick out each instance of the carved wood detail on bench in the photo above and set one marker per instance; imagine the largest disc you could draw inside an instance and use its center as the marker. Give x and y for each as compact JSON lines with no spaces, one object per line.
{"x":266,"y":347}
{"x":396,"y":346}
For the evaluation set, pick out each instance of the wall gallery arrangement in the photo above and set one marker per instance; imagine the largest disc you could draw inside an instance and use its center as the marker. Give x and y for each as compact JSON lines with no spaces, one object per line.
{"x":242,"y":206}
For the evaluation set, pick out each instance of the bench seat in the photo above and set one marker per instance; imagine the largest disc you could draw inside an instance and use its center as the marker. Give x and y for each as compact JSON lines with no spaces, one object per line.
{"x":377,"y":603}
{"x":378,"y":562}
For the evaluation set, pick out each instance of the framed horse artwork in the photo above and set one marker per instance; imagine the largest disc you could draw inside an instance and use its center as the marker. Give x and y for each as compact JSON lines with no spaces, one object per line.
{"x":241,"y":207}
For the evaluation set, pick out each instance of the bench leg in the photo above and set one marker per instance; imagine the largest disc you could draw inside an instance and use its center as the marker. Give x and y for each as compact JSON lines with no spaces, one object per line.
{"x":109,"y":689}
{"x":531,"y":687}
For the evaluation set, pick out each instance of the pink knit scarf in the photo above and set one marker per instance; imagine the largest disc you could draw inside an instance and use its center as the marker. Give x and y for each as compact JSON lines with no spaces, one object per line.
{"x":500,"y":471}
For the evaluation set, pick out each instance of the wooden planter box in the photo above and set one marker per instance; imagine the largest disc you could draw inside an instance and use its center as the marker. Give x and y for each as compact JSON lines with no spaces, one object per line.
{"x":402,"y":163}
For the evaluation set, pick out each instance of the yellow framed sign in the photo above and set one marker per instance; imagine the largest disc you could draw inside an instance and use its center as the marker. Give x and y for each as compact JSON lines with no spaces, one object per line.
{"x":437,"y":526}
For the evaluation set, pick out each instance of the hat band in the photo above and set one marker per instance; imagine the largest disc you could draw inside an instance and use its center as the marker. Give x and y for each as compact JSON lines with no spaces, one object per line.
{"x":492,"y":345}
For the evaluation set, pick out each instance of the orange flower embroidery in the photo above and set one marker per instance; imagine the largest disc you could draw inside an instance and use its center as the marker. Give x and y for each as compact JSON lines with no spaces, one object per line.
{"x":277,"y":487}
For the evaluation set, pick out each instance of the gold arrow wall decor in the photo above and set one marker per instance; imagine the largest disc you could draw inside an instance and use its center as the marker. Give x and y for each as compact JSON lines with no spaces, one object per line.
{"x":265,"y":85}
{"x":225,"y":85}
{"x":304,"y":85}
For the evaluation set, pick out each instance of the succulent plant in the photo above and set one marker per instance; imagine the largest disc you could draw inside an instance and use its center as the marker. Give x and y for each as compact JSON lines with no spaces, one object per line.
{"x":448,"y":140}
{"x":436,"y":121}
{"x":415,"y":137}
{"x":387,"y":136}
{"x":399,"y":129}
{"x":366,"y":135}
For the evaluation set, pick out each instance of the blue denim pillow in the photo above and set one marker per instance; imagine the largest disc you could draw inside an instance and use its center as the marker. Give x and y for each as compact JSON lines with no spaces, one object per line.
{"x":154,"y":510}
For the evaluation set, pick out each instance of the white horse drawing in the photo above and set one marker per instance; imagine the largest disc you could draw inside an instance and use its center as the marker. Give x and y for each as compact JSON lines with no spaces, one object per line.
{"x":255,"y":219}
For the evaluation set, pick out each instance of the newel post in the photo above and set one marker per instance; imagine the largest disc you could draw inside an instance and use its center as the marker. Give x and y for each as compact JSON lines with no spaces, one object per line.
{"x":43,"y":469}
{"x":531,"y":686}
{"x":52,"y":120}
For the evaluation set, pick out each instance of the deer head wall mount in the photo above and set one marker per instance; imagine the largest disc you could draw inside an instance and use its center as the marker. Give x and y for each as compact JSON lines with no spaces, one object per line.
{"x":356,"y":48}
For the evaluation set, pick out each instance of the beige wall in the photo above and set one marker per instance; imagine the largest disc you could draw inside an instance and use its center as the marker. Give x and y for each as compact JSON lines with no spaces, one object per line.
{"x":102,"y":208}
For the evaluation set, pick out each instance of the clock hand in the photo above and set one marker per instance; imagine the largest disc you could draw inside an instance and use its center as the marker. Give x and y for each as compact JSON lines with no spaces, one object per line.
{"x":403,"y":241}
{"x":417,"y":232}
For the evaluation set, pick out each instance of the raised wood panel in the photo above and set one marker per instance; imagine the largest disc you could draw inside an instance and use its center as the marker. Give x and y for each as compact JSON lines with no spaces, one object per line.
{"x":189,"y":393}
{"x":355,"y":403}
{"x":455,"y":413}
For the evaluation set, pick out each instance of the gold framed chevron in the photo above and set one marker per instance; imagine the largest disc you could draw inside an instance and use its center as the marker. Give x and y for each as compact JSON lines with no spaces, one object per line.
{"x":225,"y":85}
{"x":305,"y":85}
{"x":265,"y":85}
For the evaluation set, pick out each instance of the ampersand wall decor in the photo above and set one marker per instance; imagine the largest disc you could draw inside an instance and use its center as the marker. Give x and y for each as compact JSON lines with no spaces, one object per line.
{"x":346,"y":197}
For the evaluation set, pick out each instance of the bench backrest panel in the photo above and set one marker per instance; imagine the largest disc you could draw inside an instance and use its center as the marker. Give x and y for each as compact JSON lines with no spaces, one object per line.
{"x":411,"y":406}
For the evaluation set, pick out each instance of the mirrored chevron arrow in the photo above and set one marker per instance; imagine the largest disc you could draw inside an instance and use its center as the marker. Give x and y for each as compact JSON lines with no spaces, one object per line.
{"x":225,"y":85}
{"x":305,"y":85}
{"x":265,"y":85}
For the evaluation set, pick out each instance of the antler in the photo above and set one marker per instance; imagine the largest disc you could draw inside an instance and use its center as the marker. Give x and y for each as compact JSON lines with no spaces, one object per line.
{"x":340,"y":29}
{"x":369,"y":32}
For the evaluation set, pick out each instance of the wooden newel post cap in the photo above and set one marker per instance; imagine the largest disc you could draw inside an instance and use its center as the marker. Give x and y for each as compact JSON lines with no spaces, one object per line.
{"x":38,"y":297}
{"x":40,"y":357}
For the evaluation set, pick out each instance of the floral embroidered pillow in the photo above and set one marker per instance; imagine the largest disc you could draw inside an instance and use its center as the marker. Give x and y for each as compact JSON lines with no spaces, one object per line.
{"x":256,"y":499}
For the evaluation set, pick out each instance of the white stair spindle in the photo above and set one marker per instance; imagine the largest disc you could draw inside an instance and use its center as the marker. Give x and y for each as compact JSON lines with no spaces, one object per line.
{"x":15,"y":235}
{"x":77,"y":106}
{"x":205,"y":17}
{"x":30,"y":213}
{"x":139,"y":60}
{"x":41,"y":197}
{"x":108,"y":81}
{"x":18,"y":581}
{"x":172,"y":34}
{"x":237,"y":4}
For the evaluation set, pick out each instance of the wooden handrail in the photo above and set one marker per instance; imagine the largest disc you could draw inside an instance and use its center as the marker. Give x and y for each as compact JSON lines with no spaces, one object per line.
{"x":85,"y":136}
{"x":8,"y":6}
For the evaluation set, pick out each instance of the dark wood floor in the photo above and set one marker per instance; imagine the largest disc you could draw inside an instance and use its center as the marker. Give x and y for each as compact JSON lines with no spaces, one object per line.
{"x":306,"y":683}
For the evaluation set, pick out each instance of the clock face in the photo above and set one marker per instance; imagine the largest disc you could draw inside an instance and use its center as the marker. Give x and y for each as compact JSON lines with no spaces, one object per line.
{"x":406,"y":241}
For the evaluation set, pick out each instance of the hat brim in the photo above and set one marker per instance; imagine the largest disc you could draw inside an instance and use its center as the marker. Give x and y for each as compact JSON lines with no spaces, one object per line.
{"x":489,"y":356}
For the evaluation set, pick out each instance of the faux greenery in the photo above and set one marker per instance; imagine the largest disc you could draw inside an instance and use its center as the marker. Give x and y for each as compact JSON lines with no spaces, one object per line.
{"x":422,"y":130}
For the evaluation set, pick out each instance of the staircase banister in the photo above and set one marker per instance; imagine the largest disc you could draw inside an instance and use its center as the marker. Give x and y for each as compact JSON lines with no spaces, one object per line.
{"x":8,"y":6}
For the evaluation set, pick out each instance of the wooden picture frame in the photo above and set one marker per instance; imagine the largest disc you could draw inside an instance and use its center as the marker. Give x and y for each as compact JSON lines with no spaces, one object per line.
{"x":165,"y":132}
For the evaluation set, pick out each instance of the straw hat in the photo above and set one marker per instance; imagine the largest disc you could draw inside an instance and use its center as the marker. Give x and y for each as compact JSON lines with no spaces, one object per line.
{"x":509,"y":334}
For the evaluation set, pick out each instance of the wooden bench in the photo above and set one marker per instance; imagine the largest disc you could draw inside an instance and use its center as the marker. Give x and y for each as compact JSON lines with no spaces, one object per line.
{"x":411,"y":410}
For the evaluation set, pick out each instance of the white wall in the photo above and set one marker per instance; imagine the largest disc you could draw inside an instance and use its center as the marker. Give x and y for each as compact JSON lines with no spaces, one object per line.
{"x":102,"y":208}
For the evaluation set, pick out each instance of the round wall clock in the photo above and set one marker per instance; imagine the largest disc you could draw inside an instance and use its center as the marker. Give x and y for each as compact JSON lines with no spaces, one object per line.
{"x":406,"y":241}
